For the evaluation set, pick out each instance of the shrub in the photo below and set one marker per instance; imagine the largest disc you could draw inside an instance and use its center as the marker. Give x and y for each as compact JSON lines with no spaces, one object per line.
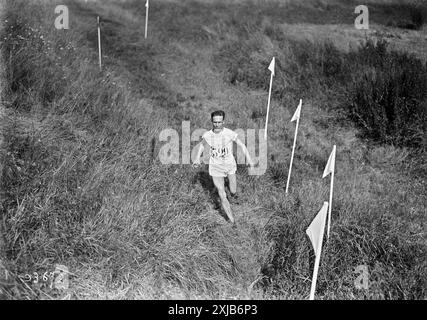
{"x":387,"y":91}
{"x":389,"y":95}
{"x":418,"y":16}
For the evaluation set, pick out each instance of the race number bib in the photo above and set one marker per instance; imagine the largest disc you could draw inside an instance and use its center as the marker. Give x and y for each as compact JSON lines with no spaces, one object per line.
{"x":219,"y":153}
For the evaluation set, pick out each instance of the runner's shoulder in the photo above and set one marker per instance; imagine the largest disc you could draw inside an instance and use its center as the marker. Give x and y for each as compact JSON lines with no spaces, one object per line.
{"x":228,"y":131}
{"x":231,"y":133}
{"x":207,"y":134}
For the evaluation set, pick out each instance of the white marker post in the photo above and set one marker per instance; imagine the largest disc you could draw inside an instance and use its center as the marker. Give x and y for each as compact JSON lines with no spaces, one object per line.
{"x":271,"y":68}
{"x":146,"y":18}
{"x":295,"y":117}
{"x":330,"y":168}
{"x":99,"y":45}
{"x":315,"y":232}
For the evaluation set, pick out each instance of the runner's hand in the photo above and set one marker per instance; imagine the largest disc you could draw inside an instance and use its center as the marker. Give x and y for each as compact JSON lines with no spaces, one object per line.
{"x":196,"y":164}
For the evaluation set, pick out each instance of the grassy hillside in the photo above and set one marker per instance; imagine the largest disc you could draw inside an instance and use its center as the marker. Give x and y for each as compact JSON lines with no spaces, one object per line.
{"x":82,"y":184}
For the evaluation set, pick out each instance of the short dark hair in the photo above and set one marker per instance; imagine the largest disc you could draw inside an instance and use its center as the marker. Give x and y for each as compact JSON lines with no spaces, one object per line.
{"x":218,"y":113}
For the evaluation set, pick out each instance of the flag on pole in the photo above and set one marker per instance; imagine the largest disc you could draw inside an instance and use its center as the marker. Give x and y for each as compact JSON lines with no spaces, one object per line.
{"x":330,"y":169}
{"x":330,"y":166}
{"x":271,"y":68}
{"x":295,"y":117}
{"x":272,"y":65}
{"x":297,"y":112}
{"x":315,"y":232}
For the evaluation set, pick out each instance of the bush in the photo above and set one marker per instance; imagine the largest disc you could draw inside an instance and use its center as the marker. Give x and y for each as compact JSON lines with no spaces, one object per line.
{"x":388,"y":97}
{"x":31,"y":67}
{"x":418,"y":16}
{"x":387,"y":90}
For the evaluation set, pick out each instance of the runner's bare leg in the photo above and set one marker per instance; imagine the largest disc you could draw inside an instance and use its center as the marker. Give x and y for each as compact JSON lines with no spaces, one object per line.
{"x":219,"y":184}
{"x":232,"y":183}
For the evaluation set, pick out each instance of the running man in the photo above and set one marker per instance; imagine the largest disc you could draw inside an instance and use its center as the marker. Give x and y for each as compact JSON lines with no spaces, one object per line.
{"x":222,"y":164}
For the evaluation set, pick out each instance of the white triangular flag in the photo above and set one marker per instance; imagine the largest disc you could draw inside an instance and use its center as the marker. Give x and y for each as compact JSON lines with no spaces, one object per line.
{"x":297,"y":112}
{"x":272,"y":64}
{"x":330,"y":166}
{"x":315,"y":232}
{"x":316,"y":229}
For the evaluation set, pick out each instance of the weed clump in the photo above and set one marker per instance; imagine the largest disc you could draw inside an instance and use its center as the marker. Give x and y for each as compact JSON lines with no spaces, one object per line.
{"x":388,"y":97}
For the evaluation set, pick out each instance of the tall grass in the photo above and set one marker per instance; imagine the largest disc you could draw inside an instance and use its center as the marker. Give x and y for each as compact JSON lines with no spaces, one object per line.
{"x":66,"y":128}
{"x":389,"y":98}
{"x":386,"y":91}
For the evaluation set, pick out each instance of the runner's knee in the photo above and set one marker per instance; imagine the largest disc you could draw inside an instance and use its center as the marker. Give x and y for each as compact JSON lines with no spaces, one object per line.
{"x":222,"y":193}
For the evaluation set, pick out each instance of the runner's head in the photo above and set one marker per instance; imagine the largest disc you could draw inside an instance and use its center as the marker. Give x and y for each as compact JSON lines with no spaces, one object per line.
{"x":217,"y":118}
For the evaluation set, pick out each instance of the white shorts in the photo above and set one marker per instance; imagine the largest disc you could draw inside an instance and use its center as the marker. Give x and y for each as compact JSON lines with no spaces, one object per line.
{"x":222,"y":170}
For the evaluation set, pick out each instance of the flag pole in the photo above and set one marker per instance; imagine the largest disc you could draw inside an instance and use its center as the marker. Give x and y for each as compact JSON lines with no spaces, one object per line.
{"x":146,"y":18}
{"x":99,"y":45}
{"x":268,"y":106}
{"x":331,"y":191}
{"x":269,"y":97}
{"x":316,"y":269}
{"x":292,"y":156}
{"x":317,"y":261}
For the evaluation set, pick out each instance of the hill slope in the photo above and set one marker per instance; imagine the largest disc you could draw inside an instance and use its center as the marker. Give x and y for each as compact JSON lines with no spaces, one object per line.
{"x":83,"y":185}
